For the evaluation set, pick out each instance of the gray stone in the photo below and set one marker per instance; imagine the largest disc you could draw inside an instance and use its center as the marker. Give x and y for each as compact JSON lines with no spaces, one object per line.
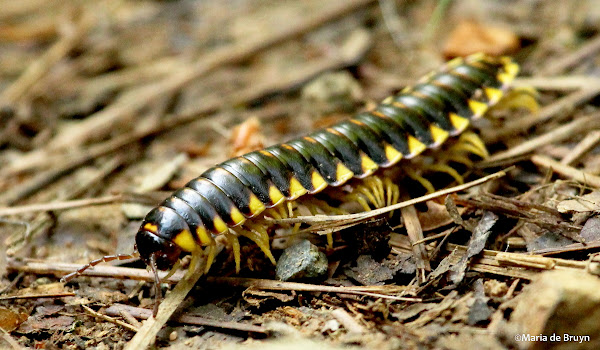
{"x":301,"y":260}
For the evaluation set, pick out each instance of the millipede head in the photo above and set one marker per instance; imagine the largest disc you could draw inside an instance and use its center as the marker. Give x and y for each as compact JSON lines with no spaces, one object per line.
{"x":155,"y":251}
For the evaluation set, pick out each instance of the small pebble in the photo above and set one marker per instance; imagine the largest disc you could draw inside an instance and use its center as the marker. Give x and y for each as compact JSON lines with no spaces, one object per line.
{"x":301,"y":260}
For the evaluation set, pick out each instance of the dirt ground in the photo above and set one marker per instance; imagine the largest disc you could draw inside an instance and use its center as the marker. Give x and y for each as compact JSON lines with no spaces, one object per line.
{"x":106,"y":107}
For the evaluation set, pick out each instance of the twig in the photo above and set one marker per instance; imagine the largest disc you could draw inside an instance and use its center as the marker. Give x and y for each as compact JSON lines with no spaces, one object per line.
{"x":109,"y":319}
{"x":128,"y":317}
{"x":140,"y":313}
{"x":99,"y":124}
{"x":348,"y":321}
{"x":436,"y":18}
{"x":557,"y":83}
{"x":31,"y":186}
{"x":7,"y":338}
{"x":584,"y":146}
{"x":354,"y":48}
{"x":567,"y":171}
{"x":415,"y":234}
{"x":62,"y":205}
{"x":563,"y":107}
{"x":588,"y":50}
{"x":567,"y":131}
{"x":359,"y":217}
{"x":146,"y":335}
{"x":36,"y":70}
{"x":77,"y":203}
{"x":574,"y":247}
{"x":38,"y":296}
{"x":60,"y":269}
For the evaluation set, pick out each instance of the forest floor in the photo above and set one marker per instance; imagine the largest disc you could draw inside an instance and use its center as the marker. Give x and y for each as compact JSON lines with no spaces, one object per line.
{"x":107,"y":107}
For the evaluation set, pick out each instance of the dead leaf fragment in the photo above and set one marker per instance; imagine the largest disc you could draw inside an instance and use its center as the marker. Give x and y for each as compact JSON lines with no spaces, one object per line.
{"x":246,"y":137}
{"x":585,"y":203}
{"x":471,"y":37}
{"x":560,"y":302}
{"x":11,"y":320}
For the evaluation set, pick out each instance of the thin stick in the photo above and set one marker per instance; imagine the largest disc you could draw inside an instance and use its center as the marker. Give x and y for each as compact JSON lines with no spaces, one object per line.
{"x":585,"y":52}
{"x":567,"y":171}
{"x":147,"y":334}
{"x":59,"y":269}
{"x":373,"y":213}
{"x":558,"y":110}
{"x":415,"y":234}
{"x":351,"y":52}
{"x":589,"y":141}
{"x":564,"y":132}
{"x":36,"y":70}
{"x":61,"y":205}
{"x":39,"y":296}
{"x":109,"y":319}
{"x":100,"y":124}
{"x":7,"y":338}
{"x":140,"y":313}
{"x":557,"y":83}
{"x":348,"y":321}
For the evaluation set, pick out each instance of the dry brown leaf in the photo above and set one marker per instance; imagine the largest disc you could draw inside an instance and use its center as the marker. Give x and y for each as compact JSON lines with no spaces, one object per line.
{"x":10,"y":319}
{"x":585,"y":203}
{"x":471,"y":37}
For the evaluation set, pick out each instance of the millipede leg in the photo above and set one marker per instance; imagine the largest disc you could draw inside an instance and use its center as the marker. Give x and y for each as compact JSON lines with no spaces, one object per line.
{"x":210,"y":252}
{"x":420,"y":179}
{"x":260,"y":236}
{"x":233,"y":240}
{"x":446,"y":169}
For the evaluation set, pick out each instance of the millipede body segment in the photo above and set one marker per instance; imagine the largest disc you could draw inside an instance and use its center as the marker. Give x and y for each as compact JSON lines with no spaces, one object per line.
{"x":230,"y":197}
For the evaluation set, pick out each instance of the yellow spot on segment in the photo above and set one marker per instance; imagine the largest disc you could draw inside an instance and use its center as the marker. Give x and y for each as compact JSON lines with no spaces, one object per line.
{"x":317,"y":181}
{"x":204,"y":236}
{"x":478,"y":108}
{"x":368,"y":165}
{"x":286,"y":146}
{"x":296,"y":189}
{"x":310,"y":139}
{"x":427,"y":77}
{"x":388,"y":100}
{"x":219,"y":225}
{"x":237,"y":216}
{"x":185,"y":241}
{"x":256,"y":206}
{"x":415,"y":146}
{"x":439,"y":135}
{"x":333,"y":131}
{"x":392,"y":154}
{"x":512,"y":69}
{"x":479,"y":56}
{"x":459,"y":123}
{"x":454,"y":62}
{"x":275,"y":195}
{"x":151,"y":227}
{"x":398,"y":104}
{"x":343,"y":174}
{"x":494,"y":95}
{"x":266,"y":153}
{"x":378,"y":114}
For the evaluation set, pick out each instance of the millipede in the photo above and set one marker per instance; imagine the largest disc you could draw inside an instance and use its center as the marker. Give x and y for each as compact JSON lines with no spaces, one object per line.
{"x":232,"y":198}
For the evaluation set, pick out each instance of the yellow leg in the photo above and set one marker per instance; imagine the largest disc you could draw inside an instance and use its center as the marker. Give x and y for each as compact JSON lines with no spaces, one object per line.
{"x":210,"y":252}
{"x":235,"y":246}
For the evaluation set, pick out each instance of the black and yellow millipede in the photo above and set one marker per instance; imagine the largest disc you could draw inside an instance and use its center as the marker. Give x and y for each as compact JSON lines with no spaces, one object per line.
{"x":231,"y":198}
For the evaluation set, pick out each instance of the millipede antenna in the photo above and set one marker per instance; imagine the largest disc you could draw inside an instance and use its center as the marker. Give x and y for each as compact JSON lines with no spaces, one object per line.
{"x":93,"y":263}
